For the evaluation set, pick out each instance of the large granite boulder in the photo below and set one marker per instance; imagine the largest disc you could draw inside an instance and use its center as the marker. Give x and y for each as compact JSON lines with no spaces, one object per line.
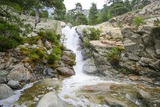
{"x":14,"y":84}
{"x":50,"y":100}
{"x":65,"y":71}
{"x":5,"y":91}
{"x":19,"y":73}
{"x":89,"y":66}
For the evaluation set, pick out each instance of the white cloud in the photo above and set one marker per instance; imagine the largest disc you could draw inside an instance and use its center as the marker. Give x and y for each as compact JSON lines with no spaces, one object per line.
{"x":86,"y":4}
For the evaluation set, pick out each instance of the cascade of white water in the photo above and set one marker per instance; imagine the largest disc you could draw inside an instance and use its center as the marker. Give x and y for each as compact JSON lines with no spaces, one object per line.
{"x":72,"y":84}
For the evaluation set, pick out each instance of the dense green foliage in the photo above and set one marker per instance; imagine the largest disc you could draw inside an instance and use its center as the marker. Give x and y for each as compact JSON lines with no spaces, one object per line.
{"x":59,"y":13}
{"x":12,"y":28}
{"x":40,"y":54}
{"x":10,"y":24}
{"x":80,"y":19}
{"x":43,"y":13}
{"x":137,"y":21}
{"x":50,"y":36}
{"x":55,"y":55}
{"x":111,"y":9}
{"x":93,"y":14}
{"x":118,"y":8}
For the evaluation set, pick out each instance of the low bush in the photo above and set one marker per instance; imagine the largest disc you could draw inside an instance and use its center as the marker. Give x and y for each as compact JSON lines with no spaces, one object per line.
{"x":55,"y":55}
{"x":50,"y":36}
{"x":86,"y":43}
{"x":137,"y":21}
{"x":37,"y":54}
{"x":92,"y":33}
{"x":8,"y":43}
{"x":113,"y":56}
{"x":31,"y":40}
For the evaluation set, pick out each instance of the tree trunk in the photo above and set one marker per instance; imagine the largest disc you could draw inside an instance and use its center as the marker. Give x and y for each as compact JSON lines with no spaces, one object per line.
{"x":37,"y":16}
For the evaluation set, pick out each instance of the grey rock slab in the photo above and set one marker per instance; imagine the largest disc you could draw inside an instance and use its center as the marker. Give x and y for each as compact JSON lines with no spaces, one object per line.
{"x":5,"y":91}
{"x":50,"y":100}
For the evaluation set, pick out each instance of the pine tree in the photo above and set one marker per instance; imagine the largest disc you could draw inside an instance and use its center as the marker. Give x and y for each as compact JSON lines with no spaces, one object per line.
{"x":93,"y":14}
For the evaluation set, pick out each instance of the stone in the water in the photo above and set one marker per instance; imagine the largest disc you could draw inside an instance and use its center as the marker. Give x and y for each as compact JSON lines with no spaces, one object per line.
{"x":50,"y":100}
{"x":5,"y":91}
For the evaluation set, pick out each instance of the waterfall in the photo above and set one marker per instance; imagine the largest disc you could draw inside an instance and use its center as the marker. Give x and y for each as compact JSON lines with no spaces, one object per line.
{"x":72,"y":84}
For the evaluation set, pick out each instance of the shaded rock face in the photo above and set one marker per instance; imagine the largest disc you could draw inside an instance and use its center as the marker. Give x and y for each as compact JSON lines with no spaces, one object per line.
{"x":5,"y":91}
{"x":121,"y":95}
{"x":50,"y":100}
{"x":142,"y":50}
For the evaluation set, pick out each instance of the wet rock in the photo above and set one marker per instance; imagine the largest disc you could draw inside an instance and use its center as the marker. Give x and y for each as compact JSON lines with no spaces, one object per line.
{"x":114,"y":102}
{"x":50,"y":82}
{"x":5,"y":91}
{"x":65,"y":71}
{"x":14,"y":84}
{"x":38,"y":90}
{"x":50,"y":100}
{"x":89,"y":66}
{"x":144,"y":94}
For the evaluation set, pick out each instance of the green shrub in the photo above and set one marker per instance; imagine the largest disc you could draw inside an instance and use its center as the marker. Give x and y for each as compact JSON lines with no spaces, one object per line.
{"x":113,"y":56}
{"x":87,"y":43}
{"x":8,"y":43}
{"x":137,"y":21}
{"x":37,"y":54}
{"x":54,"y":57}
{"x":50,"y":36}
{"x":31,"y":40}
{"x":94,"y":34}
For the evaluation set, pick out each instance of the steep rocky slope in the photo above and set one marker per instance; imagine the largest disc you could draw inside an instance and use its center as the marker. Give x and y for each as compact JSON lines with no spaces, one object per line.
{"x":41,"y":55}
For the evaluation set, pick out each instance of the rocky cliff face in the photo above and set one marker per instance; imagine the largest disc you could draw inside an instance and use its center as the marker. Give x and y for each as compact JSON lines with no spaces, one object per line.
{"x":141,"y":54}
{"x":142,"y":50}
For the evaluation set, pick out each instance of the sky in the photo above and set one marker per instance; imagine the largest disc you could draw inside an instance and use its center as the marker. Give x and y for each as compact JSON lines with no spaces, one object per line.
{"x":86,"y":4}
